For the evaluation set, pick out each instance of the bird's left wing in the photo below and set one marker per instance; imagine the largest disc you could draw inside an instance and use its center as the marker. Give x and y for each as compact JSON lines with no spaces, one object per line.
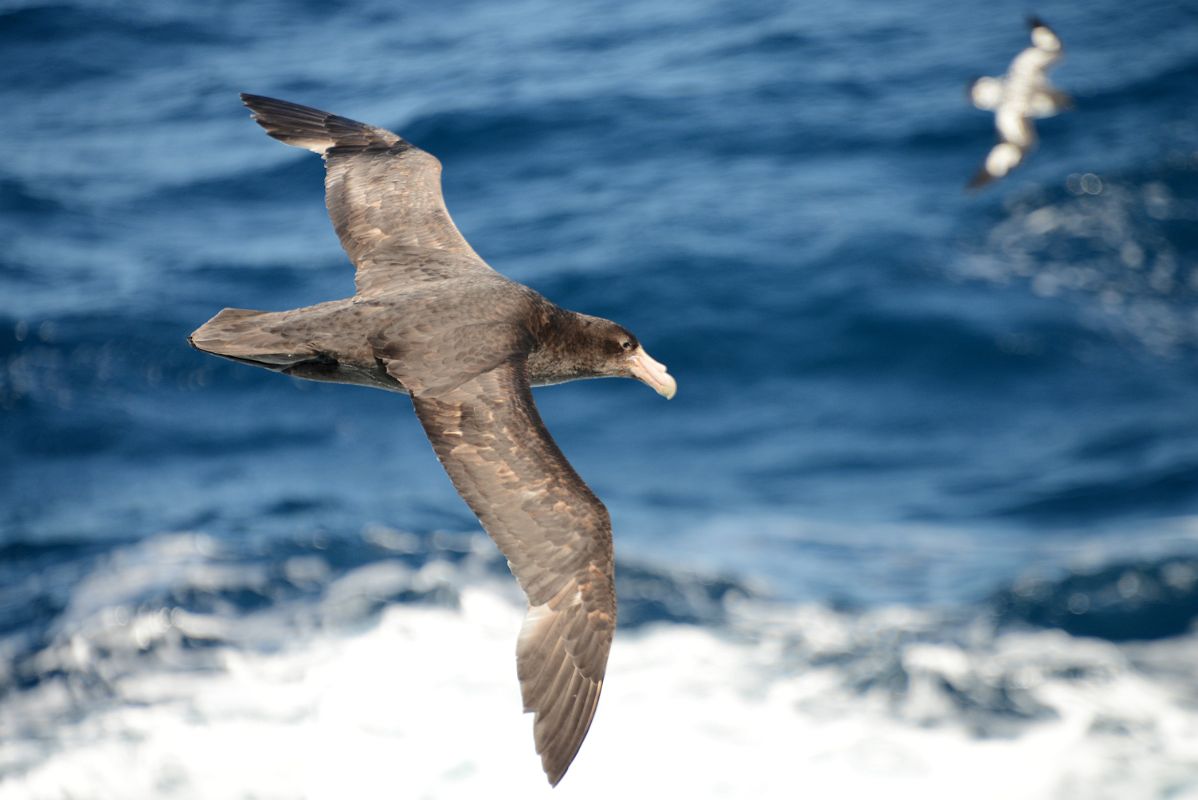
{"x":555,"y":534}
{"x":383,"y":193}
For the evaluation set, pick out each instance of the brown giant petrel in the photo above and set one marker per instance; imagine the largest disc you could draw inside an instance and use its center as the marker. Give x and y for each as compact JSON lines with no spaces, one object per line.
{"x":432,"y":320}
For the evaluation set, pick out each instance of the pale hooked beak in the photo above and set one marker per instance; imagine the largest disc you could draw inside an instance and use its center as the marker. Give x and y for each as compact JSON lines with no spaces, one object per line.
{"x":653,"y":373}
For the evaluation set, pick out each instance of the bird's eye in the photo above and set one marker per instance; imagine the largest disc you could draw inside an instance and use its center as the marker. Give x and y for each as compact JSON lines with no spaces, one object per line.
{"x":627,"y":345}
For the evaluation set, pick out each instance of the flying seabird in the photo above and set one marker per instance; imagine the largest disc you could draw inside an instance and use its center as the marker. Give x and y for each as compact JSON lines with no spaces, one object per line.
{"x":1018,"y":97}
{"x":431,"y":319}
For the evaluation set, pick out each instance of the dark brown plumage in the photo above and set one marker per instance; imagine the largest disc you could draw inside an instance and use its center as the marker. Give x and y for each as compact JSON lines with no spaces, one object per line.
{"x":431,"y":319}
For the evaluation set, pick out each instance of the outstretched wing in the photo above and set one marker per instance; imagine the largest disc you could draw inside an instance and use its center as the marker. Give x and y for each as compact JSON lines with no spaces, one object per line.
{"x":986,"y":93}
{"x":383,"y":193}
{"x":555,"y":534}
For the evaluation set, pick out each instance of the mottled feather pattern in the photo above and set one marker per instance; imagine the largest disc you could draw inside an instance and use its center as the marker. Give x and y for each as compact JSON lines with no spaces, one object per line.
{"x":380,"y":190}
{"x":402,"y":268}
{"x":556,"y":536}
{"x":431,"y":319}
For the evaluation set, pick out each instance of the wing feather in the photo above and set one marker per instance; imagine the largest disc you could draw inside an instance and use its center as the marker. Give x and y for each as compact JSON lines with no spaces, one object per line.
{"x":556,"y":536}
{"x":383,"y":193}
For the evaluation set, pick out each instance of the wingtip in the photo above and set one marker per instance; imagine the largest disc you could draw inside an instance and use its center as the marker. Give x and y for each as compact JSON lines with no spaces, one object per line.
{"x":555,"y":767}
{"x":1033,"y":22}
{"x":980,"y":179}
{"x":255,"y":102}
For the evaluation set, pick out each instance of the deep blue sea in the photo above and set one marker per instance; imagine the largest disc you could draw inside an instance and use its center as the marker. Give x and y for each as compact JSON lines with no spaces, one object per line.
{"x":922,"y":520}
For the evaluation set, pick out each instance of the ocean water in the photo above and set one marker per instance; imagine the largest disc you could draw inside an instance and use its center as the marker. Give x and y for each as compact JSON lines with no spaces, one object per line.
{"x":922,"y":520}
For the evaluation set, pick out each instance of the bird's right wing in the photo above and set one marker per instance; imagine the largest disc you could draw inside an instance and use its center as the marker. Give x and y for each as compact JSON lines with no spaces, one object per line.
{"x":1049,"y":102}
{"x":383,"y":193}
{"x":555,"y":534}
{"x":986,"y":93}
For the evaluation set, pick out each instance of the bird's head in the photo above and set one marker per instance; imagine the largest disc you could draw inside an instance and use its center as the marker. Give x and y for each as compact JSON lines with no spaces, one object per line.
{"x":1043,"y":36}
{"x":611,"y":350}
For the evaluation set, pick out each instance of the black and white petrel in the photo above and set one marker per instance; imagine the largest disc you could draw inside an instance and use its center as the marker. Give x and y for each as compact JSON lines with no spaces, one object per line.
{"x":431,"y":319}
{"x":1017,"y":98}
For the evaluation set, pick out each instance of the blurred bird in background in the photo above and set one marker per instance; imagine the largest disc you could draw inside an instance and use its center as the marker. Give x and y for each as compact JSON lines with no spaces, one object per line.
{"x":1018,"y":97}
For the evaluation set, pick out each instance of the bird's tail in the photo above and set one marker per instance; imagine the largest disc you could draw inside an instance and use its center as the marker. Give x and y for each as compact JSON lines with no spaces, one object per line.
{"x":251,"y":337}
{"x":1002,"y":158}
{"x":980,"y":178}
{"x":313,"y":129}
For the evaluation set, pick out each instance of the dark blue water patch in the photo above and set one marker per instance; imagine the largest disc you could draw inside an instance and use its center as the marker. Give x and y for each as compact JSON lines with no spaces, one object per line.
{"x":856,"y":331}
{"x":235,"y":282}
{"x":296,"y":179}
{"x":1164,"y":86}
{"x":67,"y":22}
{"x":942,"y":347}
{"x":1109,"y":255}
{"x":628,"y":132}
{"x":42,"y":435}
{"x":1129,"y":444}
{"x":14,"y":273}
{"x":290,"y":506}
{"x":49,"y":47}
{"x":78,"y":386}
{"x":1126,"y":601}
{"x":549,"y":128}
{"x":17,"y":199}
{"x":778,"y":42}
{"x":1166,"y":489}
{"x":168,"y":441}
{"x":62,"y":360}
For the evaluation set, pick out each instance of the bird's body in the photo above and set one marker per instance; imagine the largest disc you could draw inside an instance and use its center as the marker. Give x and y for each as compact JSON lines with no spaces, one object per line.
{"x":1020,"y":96}
{"x":434,"y":321}
{"x":342,"y":340}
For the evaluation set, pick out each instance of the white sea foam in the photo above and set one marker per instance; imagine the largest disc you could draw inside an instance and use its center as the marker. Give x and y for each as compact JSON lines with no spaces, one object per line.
{"x":783,"y":702}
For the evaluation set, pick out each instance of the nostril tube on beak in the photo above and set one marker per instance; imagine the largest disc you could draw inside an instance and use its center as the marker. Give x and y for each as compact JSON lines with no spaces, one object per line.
{"x":653,"y":373}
